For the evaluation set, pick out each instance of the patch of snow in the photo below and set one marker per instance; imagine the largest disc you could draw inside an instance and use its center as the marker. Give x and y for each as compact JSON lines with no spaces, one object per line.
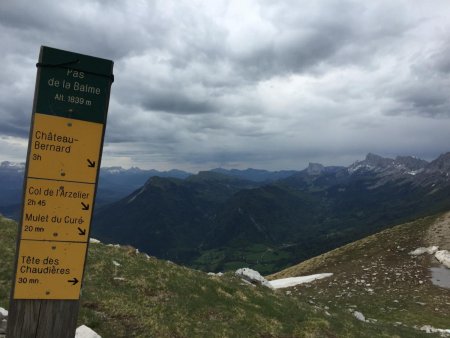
{"x":352,"y":170}
{"x":3,"y":313}
{"x":86,"y":332}
{"x":419,"y":251}
{"x":113,"y":170}
{"x":116,"y":263}
{"x":219,"y":274}
{"x":430,"y":329}
{"x":360,"y":166}
{"x":443,"y":256}
{"x":293,"y":281}
{"x":358,"y":315}
{"x":93,"y":240}
{"x":252,"y":276}
{"x":13,"y":165}
{"x":120,"y":278}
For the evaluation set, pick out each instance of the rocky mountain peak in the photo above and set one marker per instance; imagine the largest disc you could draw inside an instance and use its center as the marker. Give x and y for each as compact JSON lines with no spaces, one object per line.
{"x":401,"y":165}
{"x":372,"y":162}
{"x":315,"y":169}
{"x":442,"y":163}
{"x":377,"y":161}
{"x":410,"y":162}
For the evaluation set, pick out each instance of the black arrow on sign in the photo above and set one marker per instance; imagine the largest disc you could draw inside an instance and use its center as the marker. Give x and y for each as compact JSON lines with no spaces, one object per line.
{"x":74,"y":281}
{"x":81,"y":232}
{"x":91,"y":164}
{"x":85,"y":206}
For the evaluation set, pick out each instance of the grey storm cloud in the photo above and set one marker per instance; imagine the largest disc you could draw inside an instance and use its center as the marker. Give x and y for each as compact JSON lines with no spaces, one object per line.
{"x":428,"y":101}
{"x":172,"y":101}
{"x":244,"y":83}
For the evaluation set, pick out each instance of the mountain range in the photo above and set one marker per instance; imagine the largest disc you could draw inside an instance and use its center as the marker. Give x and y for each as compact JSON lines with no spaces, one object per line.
{"x":114,"y":184}
{"x":222,"y":219}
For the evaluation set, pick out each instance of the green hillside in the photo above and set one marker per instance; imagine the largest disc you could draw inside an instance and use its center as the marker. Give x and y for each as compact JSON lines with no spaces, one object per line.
{"x":146,"y":297}
{"x":378,"y":277}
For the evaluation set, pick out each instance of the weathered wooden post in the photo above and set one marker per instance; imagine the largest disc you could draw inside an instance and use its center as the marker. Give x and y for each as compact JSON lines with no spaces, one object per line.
{"x":64,"y":152}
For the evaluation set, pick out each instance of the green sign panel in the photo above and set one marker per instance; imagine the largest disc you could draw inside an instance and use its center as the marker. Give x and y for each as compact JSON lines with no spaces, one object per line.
{"x":73,"y":85}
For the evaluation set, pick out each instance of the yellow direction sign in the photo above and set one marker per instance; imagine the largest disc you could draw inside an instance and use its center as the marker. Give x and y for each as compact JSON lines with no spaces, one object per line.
{"x":64,"y":154}
{"x":57,"y":210}
{"x":49,"y":270}
{"x":64,"y":149}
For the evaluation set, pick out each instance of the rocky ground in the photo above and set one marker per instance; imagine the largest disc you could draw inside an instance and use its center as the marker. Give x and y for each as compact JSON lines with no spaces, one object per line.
{"x":379,"y":278}
{"x":439,"y":232}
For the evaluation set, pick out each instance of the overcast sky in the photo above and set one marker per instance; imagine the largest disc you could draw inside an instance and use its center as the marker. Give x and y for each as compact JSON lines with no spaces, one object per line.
{"x":262,"y":84}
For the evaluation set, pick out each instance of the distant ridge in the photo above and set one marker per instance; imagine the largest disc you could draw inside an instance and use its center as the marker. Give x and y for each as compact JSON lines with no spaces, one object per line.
{"x":114,"y":184}
{"x":218,"y":220}
{"x":256,"y":175}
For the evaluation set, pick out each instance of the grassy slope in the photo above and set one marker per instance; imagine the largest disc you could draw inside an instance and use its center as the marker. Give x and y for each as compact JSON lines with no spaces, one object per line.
{"x":160,"y":299}
{"x":402,"y":289}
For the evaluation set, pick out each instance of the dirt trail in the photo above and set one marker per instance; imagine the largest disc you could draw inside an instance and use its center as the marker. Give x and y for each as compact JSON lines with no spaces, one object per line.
{"x":439,"y":233}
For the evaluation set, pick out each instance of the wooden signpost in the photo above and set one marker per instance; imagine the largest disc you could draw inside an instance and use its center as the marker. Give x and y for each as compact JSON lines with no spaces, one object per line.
{"x":64,"y":153}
